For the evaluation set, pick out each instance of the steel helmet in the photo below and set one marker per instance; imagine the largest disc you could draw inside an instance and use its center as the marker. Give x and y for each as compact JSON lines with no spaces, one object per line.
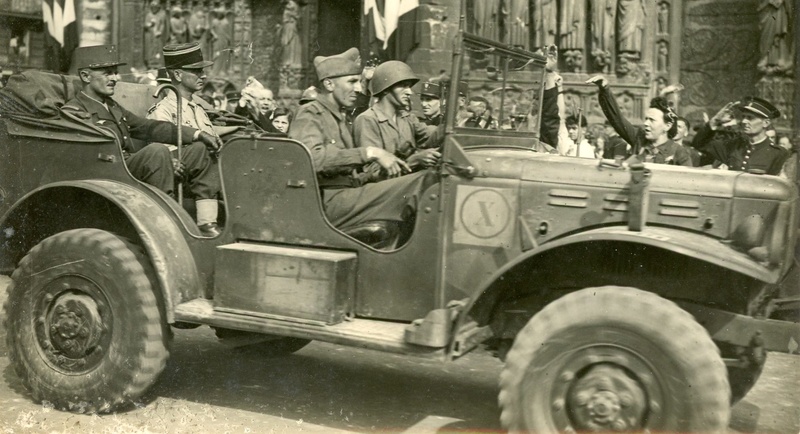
{"x":387,"y":74}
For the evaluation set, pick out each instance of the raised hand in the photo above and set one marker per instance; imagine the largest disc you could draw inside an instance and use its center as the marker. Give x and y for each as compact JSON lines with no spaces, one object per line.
{"x":723,"y":116}
{"x":599,"y":80}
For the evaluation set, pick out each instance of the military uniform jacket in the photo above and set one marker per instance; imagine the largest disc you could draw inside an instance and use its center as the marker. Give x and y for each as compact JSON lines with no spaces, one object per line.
{"x":737,"y":153}
{"x":324,"y":129}
{"x":435,"y":121}
{"x":401,"y":137}
{"x":126,"y":124}
{"x":193,"y":115}
{"x":666,"y":153}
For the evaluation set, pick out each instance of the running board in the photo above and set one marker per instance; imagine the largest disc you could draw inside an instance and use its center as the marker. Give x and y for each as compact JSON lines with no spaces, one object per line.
{"x":363,"y":333}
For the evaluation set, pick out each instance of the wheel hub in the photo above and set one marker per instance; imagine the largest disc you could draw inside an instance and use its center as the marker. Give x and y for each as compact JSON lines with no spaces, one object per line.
{"x":607,"y":399}
{"x":75,"y":325}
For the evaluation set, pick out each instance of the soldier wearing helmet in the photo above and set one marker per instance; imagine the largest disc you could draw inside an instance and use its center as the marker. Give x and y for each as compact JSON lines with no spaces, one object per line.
{"x":323,"y":127}
{"x":389,"y":124}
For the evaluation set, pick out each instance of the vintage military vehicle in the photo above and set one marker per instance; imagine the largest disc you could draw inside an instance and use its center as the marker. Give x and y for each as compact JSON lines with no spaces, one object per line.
{"x":640,"y":297}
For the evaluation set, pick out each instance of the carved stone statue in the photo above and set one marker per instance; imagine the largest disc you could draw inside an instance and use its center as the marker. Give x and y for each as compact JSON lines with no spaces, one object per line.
{"x":518,"y":25}
{"x":573,"y":60}
{"x":603,"y":25}
{"x":155,"y":23}
{"x":662,"y":62}
{"x":178,"y":29}
{"x":776,"y":44}
{"x":573,"y":24}
{"x":486,"y":14}
{"x":291,"y":46}
{"x":663,"y":17}
{"x":198,"y":29}
{"x":544,"y":23}
{"x":220,"y":41}
{"x":630,"y":26}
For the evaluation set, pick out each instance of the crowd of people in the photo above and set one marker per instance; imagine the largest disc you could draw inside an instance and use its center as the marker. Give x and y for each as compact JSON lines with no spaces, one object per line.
{"x":370,"y":151}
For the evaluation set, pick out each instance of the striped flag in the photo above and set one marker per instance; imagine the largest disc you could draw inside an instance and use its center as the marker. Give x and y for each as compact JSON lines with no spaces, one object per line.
{"x":386,"y":21}
{"x":61,"y":37}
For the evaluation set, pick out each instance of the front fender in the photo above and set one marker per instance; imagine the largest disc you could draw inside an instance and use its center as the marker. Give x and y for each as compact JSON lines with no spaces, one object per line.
{"x":157,"y":229}
{"x":697,"y":246}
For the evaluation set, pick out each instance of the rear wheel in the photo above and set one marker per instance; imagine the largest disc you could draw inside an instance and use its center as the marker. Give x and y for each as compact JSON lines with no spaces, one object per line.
{"x":614,"y":359}
{"x":85,"y":332}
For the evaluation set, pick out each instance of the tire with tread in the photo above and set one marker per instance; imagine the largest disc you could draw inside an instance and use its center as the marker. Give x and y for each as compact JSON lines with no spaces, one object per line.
{"x":581,"y":349}
{"x":85,"y":330}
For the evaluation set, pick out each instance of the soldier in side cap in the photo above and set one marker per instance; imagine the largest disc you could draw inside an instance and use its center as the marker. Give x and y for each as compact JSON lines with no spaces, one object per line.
{"x":152,"y":164}
{"x":750,"y":150}
{"x":185,"y":67}
{"x":322,"y":126}
{"x":430,"y":97}
{"x":389,"y":125}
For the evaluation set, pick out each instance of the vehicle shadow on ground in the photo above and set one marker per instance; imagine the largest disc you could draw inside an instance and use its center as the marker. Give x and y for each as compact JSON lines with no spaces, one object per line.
{"x":341,"y":388}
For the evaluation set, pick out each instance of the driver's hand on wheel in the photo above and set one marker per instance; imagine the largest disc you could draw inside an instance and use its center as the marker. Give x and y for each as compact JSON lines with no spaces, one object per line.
{"x":394,"y":166}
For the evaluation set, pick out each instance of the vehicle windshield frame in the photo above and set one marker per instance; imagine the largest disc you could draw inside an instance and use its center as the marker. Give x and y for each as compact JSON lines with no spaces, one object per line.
{"x":507,"y":54}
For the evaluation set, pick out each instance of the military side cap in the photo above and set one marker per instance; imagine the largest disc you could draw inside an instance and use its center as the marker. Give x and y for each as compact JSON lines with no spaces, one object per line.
{"x":187,"y":55}
{"x":760,"y":107}
{"x":309,"y":95}
{"x":98,"y":56}
{"x":430,"y":89}
{"x":347,"y":63}
{"x":162,"y":76}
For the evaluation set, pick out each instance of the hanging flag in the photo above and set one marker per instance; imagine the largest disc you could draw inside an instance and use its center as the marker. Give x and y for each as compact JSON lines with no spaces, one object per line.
{"x":61,"y":36}
{"x":386,"y":23}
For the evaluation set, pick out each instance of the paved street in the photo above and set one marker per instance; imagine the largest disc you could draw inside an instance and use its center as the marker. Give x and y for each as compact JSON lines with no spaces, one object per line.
{"x":327,"y":389}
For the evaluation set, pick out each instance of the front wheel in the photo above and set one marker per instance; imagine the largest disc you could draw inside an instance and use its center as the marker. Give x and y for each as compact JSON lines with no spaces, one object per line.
{"x":84,"y":328}
{"x":614,"y":359}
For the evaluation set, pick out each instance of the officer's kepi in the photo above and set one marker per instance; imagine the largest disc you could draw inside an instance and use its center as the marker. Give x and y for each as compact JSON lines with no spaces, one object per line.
{"x":431,"y":90}
{"x":760,"y":107}
{"x":184,"y":56}
{"x":94,"y":57}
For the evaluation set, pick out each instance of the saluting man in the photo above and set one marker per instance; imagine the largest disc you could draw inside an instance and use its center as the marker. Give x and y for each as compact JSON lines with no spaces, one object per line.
{"x":751,"y":151}
{"x":186,"y":69}
{"x":152,"y":164}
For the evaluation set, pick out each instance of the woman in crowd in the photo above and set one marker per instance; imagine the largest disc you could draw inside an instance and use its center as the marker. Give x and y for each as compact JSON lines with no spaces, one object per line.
{"x":281,"y":119}
{"x":653,"y":142}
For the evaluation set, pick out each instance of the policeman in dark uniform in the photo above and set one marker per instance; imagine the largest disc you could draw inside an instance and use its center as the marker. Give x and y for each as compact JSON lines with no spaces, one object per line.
{"x":430,"y":99}
{"x":152,"y":164}
{"x":751,"y":150}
